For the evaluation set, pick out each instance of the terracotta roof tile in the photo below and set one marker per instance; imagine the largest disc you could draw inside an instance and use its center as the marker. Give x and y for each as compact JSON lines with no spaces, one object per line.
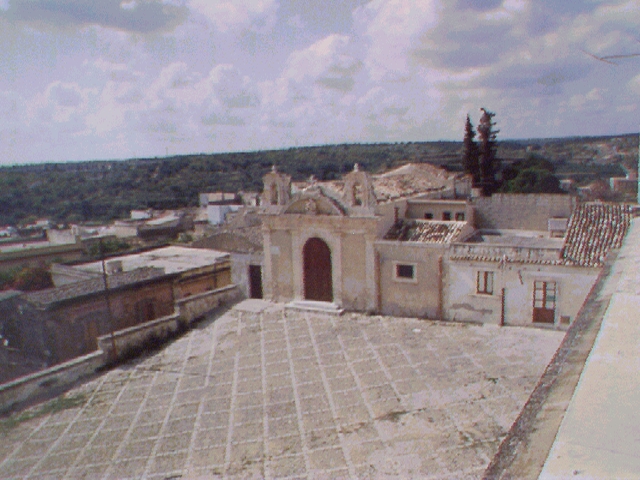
{"x":594,"y":229}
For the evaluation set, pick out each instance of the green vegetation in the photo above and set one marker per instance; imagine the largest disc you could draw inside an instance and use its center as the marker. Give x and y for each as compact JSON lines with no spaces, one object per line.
{"x":27,"y":279}
{"x":534,"y":174}
{"x":63,"y":402}
{"x":488,"y":146}
{"x":107,"y":247}
{"x":102,"y":191}
{"x":471,"y":153}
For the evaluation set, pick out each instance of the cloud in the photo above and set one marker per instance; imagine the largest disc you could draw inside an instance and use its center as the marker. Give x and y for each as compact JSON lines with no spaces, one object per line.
{"x":61,"y":102}
{"x":330,"y":62}
{"x":389,"y":28}
{"x":141,"y":16}
{"x":233,"y":89}
{"x":226,"y":15}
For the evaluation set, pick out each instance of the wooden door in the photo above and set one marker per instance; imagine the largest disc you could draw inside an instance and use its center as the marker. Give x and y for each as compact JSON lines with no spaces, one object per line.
{"x":544,"y":302}
{"x":318,"y":284}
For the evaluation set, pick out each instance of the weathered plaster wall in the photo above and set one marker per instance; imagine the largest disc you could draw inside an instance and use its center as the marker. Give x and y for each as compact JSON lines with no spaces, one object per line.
{"x":240,"y":270}
{"x":462,"y":303}
{"x":419,"y":298}
{"x":418,"y":209}
{"x":521,"y":211}
{"x":350,"y":240}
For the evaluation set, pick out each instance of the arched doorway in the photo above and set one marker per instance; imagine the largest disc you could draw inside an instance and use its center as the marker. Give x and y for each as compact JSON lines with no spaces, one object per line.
{"x":318,"y":284}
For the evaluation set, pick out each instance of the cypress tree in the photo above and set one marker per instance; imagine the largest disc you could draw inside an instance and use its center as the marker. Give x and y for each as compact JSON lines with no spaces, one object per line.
{"x":470,"y":153}
{"x":488,"y":146}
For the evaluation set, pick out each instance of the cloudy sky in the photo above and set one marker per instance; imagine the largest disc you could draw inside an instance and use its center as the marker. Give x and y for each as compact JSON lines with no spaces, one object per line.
{"x":110,"y":79}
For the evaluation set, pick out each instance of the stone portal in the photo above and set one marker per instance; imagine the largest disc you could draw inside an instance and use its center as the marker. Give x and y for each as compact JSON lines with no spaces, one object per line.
{"x":318,"y":284}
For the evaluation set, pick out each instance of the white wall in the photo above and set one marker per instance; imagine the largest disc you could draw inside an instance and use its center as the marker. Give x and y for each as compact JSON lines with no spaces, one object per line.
{"x":462,"y":303}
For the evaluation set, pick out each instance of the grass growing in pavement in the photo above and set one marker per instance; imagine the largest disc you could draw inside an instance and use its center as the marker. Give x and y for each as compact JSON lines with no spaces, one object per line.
{"x":58,"y":404}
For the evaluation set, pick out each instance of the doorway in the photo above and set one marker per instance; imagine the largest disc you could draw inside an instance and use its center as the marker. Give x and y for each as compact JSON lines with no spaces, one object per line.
{"x":318,"y":284}
{"x":255,"y":281}
{"x":544,"y":302}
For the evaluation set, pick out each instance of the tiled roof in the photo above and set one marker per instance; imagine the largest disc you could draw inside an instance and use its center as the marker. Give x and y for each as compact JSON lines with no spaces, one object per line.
{"x":406,"y":181}
{"x":410,"y":179}
{"x":87,"y":287}
{"x":594,"y":229}
{"x":493,"y":259}
{"x":425,"y":231}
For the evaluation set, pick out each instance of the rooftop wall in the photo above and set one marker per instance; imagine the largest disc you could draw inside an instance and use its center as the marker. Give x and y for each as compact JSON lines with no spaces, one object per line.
{"x":521,"y":211}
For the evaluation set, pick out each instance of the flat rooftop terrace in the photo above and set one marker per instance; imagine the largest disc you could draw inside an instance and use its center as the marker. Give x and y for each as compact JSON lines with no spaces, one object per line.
{"x":172,"y":259}
{"x":515,"y":238}
{"x":261,"y":391}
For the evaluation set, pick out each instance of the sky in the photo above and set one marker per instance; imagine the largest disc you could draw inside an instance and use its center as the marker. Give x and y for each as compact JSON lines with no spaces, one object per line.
{"x":116,"y":79}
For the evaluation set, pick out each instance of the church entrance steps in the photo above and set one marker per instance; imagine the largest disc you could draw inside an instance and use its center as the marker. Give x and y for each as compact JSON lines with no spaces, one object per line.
{"x":329,"y":308}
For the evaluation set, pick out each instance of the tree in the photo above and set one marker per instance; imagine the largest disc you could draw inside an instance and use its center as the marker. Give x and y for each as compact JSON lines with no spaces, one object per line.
{"x":470,"y":153}
{"x":488,"y":146}
{"x":30,"y":279}
{"x":533,"y":180}
{"x":534,"y":174}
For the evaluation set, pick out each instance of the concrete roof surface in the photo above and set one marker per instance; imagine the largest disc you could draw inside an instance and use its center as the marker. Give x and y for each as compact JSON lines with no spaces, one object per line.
{"x":515,"y":238}
{"x":92,"y":285}
{"x":172,"y":259}
{"x":264,"y":392}
{"x":599,"y":435}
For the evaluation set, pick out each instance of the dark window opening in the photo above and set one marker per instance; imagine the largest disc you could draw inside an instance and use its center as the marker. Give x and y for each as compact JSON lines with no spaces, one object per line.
{"x":405,"y":271}
{"x":428,"y":216}
{"x":446,"y":215}
{"x":460,"y":217}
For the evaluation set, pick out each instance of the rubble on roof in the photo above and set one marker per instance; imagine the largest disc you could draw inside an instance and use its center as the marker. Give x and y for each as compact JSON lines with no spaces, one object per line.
{"x":425,"y":231}
{"x":406,"y":181}
{"x":594,"y":229}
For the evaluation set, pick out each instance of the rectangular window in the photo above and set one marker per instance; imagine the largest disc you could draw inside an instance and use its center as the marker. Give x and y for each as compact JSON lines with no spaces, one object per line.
{"x":428,"y":216}
{"x":485,"y":283}
{"x":446,"y":215}
{"x":404,"y":272}
{"x":460,"y":216}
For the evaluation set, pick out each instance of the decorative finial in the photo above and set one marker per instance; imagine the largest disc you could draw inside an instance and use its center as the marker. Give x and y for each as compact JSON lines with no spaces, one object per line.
{"x":356,"y":167}
{"x":274,"y":169}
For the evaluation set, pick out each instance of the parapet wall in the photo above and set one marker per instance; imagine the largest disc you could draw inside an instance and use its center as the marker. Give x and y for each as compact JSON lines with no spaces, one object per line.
{"x":520,"y":211}
{"x":126,"y":341}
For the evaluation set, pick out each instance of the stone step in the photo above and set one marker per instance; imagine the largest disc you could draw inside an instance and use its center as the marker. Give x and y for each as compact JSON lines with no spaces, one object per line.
{"x":329,"y":308}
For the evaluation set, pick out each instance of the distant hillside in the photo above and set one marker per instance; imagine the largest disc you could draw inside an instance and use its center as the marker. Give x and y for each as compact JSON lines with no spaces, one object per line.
{"x":91,"y":191}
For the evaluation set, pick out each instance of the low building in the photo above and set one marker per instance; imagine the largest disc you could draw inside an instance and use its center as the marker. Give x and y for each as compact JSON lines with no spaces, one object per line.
{"x":411,"y":247}
{"x":61,"y":323}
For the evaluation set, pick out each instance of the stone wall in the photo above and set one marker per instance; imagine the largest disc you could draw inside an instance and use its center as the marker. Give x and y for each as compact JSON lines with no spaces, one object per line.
{"x":42,"y":384}
{"x":194,"y":307}
{"x":521,"y":211}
